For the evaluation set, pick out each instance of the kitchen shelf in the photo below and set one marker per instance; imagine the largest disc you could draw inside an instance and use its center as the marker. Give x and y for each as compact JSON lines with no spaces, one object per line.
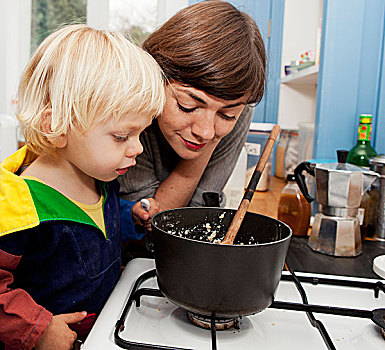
{"x":307,"y":76}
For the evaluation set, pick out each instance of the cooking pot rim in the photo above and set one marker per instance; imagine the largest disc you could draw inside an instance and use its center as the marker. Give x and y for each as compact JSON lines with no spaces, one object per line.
{"x":218,"y":244}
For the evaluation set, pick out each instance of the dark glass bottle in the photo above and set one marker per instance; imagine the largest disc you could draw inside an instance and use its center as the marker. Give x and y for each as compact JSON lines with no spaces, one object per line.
{"x":359,"y":155}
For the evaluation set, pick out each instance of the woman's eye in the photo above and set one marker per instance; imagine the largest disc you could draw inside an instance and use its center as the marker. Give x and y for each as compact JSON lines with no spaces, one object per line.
{"x":120,"y":138}
{"x":186,"y":110}
{"x":226,"y":117}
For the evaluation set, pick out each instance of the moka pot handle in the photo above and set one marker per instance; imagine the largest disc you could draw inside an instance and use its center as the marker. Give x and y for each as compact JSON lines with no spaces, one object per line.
{"x":300,"y":178}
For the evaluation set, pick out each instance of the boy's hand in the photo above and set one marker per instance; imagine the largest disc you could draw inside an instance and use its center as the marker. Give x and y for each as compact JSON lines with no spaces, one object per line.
{"x":142,"y":217}
{"x":58,"y":335}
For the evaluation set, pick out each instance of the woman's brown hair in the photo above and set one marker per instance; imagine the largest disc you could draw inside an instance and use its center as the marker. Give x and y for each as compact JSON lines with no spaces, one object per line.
{"x":214,"y":47}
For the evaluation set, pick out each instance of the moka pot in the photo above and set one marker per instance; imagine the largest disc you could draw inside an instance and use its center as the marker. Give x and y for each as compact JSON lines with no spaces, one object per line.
{"x":339,"y":190}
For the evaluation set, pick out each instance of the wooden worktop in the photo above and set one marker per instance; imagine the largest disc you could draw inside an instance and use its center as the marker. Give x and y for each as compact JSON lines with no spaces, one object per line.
{"x":301,"y":258}
{"x":266,"y":203}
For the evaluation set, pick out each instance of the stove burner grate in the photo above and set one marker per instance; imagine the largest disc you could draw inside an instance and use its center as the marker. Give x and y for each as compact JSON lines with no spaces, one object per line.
{"x":377,"y":315}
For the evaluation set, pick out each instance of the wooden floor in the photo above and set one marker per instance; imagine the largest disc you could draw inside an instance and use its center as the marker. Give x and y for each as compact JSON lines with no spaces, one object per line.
{"x":266,"y":203}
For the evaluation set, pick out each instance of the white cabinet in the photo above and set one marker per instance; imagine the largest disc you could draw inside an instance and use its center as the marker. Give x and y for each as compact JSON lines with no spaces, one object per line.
{"x":301,"y":33}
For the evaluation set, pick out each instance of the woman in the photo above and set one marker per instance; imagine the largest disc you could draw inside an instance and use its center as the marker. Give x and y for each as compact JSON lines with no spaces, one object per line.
{"x":214,"y":59}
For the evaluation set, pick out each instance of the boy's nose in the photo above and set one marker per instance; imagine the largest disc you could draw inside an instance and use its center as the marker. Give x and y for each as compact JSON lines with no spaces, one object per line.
{"x":204,"y":126}
{"x":134,"y":148}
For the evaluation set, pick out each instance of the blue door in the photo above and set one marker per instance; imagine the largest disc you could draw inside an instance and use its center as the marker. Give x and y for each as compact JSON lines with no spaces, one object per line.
{"x":268,"y":14}
{"x":351,"y":78}
{"x":350,"y":75}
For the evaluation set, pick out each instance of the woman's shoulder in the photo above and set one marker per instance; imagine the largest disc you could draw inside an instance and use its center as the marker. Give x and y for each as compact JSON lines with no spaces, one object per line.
{"x":245,"y":118}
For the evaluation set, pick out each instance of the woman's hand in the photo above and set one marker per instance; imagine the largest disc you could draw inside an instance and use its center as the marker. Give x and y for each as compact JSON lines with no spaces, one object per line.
{"x":141,"y":216}
{"x":58,"y":335}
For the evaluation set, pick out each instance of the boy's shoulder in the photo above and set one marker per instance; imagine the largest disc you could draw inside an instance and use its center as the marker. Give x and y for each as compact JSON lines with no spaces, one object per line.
{"x":49,"y":205}
{"x":16,"y":204}
{"x":25,"y":203}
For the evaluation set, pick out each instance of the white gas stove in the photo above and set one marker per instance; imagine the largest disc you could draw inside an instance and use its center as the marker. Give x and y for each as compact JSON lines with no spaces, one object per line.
{"x":162,"y":325}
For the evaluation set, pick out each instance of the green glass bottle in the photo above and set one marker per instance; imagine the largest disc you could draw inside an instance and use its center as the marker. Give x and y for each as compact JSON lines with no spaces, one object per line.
{"x":359,"y":155}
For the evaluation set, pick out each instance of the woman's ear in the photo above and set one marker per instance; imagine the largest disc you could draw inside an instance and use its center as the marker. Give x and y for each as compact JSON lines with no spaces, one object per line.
{"x":57,"y":141}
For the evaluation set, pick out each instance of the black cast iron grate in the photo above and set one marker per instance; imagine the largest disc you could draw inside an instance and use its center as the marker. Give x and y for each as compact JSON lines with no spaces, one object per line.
{"x":377,"y":315}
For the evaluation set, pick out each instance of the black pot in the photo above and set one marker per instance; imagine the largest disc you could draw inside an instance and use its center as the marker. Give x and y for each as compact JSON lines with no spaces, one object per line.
{"x":228,"y":280}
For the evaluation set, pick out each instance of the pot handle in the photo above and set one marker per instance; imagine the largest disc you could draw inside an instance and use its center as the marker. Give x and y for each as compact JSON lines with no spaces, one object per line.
{"x":300,"y":178}
{"x":211,"y":199}
{"x":148,"y":237}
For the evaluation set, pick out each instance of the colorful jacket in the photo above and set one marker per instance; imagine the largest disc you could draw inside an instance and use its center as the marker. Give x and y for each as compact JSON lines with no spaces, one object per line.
{"x":53,"y":257}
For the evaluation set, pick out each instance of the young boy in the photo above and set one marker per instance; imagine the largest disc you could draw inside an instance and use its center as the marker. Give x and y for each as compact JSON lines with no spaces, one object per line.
{"x":84,"y":98}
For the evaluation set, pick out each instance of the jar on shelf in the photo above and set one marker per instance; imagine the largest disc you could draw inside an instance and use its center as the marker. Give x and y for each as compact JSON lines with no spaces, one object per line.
{"x":293,"y":208}
{"x":291,"y":154}
{"x":280,"y":153}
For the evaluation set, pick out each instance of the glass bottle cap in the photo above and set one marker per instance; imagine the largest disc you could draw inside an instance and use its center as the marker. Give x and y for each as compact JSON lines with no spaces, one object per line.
{"x":290,"y":177}
{"x":366,"y":118}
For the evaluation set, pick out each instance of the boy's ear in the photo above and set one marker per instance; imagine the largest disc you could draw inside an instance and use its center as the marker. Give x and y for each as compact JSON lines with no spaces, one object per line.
{"x":57,"y":141}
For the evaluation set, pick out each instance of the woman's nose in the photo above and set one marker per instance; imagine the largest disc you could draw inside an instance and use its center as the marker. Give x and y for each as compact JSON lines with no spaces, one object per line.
{"x":204,"y":126}
{"x":134,"y":148}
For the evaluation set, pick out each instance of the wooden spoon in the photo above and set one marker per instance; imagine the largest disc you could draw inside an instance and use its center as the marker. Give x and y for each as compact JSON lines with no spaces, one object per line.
{"x":244,"y":205}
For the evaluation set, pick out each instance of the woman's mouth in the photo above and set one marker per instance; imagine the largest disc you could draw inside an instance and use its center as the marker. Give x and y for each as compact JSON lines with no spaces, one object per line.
{"x":192,"y":145}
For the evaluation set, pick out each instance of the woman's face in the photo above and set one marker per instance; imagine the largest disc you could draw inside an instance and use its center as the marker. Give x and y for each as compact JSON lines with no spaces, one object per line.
{"x":191,"y":119}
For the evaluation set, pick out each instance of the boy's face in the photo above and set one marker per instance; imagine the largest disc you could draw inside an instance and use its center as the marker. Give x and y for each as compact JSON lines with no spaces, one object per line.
{"x":108,"y":149}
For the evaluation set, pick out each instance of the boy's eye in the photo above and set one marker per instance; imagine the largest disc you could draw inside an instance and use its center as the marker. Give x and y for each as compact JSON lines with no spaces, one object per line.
{"x":119,"y":138}
{"x":186,"y":110}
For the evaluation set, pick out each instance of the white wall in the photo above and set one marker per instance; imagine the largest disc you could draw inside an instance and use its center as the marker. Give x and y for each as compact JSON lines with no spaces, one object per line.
{"x":167,"y":8}
{"x":300,"y":28}
{"x":98,"y":14}
{"x":15,"y":33}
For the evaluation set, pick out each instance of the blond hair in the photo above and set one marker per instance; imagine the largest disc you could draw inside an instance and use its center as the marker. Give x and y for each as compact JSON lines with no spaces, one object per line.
{"x":83,"y":77}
